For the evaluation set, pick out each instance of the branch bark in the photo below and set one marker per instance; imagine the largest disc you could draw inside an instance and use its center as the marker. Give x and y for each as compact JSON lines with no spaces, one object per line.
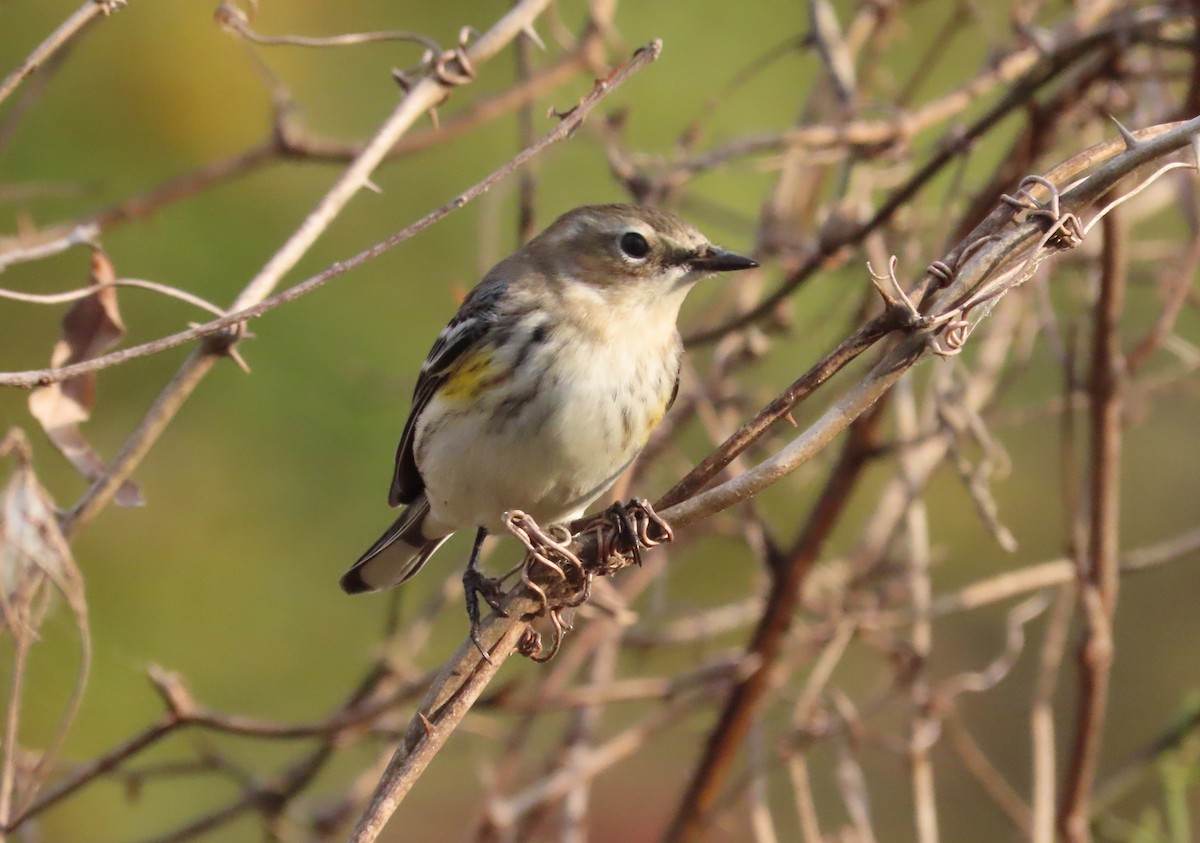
{"x":1099,"y":578}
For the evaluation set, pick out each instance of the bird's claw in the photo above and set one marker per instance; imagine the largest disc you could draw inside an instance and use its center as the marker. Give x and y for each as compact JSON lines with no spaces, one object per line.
{"x":637,"y":526}
{"x":476,"y":585}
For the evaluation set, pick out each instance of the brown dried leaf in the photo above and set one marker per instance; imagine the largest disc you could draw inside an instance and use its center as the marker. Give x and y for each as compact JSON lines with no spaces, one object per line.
{"x":91,"y":327}
{"x":34,"y":556}
{"x":32,"y":548}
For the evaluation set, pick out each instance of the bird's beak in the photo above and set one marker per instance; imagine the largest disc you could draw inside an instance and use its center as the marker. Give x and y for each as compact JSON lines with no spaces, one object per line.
{"x":713,"y":259}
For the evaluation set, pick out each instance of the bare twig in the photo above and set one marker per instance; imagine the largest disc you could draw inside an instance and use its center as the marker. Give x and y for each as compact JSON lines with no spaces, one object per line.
{"x":446,"y":702}
{"x":797,"y":631}
{"x":363,"y":706}
{"x":925,"y":726}
{"x":788,"y":577}
{"x":1041,"y":719}
{"x":1038,"y":77}
{"x":1071,"y":40}
{"x":559,"y":784}
{"x":1176,"y":296}
{"x":41,"y":377}
{"x":202,"y":360}
{"x":59,"y":38}
{"x":1098,"y":581}
{"x":236,"y":20}
{"x":287,"y":143}
{"x":989,"y":778}
{"x":12,"y":726}
{"x":993,"y":255}
{"x":84,"y":292}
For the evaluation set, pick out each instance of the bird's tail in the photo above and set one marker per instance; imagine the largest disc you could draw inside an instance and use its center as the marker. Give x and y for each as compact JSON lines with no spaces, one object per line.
{"x":399,"y":553}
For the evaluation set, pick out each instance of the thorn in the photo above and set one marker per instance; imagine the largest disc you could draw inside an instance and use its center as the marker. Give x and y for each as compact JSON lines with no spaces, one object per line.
{"x":174,"y":693}
{"x":225,"y":341}
{"x":791,"y":419}
{"x":561,"y":115}
{"x":531,"y":33}
{"x":372,"y":186}
{"x":236,"y":356}
{"x":426,"y":722}
{"x":402,"y":79}
{"x":1126,"y":135}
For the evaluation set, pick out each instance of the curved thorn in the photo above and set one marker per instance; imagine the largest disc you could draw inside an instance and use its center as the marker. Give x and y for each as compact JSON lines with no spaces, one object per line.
{"x":1126,"y":135}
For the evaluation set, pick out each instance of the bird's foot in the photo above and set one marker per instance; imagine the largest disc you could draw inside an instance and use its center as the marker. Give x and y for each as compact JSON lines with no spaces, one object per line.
{"x":476,"y":585}
{"x":636,"y":526}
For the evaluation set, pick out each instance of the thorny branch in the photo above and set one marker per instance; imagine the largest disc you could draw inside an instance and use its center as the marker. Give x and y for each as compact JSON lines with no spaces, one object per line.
{"x":70,"y":29}
{"x":568,"y":125}
{"x":879,"y":602}
{"x":1010,"y":256}
{"x":289,"y":142}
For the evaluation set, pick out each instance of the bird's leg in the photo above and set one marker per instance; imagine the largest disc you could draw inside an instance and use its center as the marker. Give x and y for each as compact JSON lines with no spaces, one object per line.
{"x":476,"y":584}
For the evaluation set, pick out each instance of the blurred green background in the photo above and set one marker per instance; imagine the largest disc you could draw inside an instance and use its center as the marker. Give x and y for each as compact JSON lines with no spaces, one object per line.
{"x":268,"y":485}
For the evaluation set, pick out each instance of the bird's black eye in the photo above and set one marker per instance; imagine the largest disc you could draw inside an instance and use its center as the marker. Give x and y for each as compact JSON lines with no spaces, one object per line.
{"x":634,"y":245}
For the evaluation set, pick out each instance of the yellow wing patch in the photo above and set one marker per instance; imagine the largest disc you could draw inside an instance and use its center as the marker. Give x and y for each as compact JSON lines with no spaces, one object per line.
{"x":652,"y":420}
{"x":471,"y":375}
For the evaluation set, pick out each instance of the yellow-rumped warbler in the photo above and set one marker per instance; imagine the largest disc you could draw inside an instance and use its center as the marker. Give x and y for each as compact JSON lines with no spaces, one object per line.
{"x":544,"y":386}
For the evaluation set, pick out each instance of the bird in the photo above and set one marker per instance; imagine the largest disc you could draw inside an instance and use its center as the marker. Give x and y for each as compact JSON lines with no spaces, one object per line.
{"x":543,"y":387}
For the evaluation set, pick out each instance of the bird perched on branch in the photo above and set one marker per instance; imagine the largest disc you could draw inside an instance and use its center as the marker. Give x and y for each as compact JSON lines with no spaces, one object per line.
{"x":544,"y":386}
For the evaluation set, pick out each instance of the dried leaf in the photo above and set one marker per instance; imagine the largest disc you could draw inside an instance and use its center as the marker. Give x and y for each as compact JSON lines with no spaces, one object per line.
{"x":91,"y":327}
{"x":32,"y":548}
{"x":34,"y":559}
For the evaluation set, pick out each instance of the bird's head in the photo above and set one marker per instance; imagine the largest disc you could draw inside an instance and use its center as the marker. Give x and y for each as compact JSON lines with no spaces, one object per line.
{"x":619,"y":247}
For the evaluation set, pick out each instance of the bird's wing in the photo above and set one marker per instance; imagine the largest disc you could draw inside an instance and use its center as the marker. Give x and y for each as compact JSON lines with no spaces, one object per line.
{"x":465,"y":331}
{"x":675,"y":388}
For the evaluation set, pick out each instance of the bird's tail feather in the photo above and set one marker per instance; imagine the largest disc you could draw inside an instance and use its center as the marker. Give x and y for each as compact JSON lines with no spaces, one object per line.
{"x":398,"y":554}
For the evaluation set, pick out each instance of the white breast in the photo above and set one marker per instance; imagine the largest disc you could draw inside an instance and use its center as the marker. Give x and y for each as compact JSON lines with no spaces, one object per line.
{"x":588,"y":401}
